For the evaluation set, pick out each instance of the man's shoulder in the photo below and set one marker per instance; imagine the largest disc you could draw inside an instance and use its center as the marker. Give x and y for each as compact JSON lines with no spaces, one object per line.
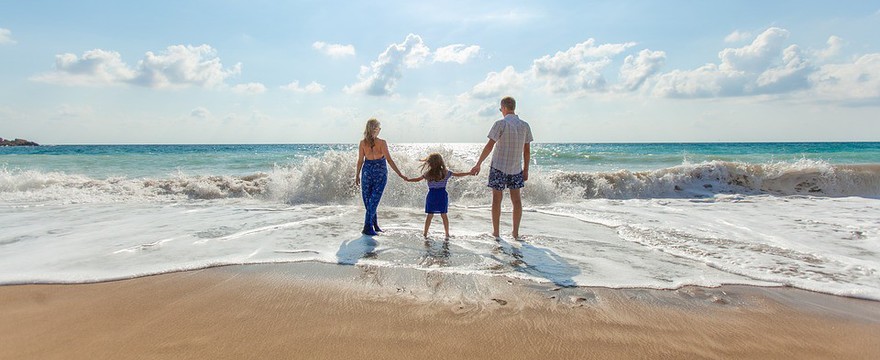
{"x":514,"y":119}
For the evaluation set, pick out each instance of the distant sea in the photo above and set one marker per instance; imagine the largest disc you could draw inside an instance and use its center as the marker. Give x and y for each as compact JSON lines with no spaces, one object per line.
{"x":660,"y":215}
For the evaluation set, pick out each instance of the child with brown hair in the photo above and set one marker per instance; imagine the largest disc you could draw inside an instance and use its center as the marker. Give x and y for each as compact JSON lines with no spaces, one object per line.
{"x":437,"y":201}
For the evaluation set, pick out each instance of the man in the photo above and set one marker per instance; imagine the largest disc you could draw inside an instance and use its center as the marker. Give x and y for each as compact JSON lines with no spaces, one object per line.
{"x":510,"y":162}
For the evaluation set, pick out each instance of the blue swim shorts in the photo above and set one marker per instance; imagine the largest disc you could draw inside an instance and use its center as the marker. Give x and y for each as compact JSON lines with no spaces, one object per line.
{"x":500,"y":181}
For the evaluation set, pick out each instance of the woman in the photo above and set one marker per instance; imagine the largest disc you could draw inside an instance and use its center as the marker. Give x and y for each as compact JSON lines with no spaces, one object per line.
{"x":372,"y":154}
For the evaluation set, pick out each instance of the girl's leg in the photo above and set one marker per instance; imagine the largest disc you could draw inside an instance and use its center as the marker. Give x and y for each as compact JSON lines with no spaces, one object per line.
{"x":445,"y":224}
{"x":428,"y":223}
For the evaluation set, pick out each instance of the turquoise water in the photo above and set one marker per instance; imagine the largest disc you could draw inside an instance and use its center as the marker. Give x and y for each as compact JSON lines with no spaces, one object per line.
{"x":103,"y":161}
{"x":652,"y":156}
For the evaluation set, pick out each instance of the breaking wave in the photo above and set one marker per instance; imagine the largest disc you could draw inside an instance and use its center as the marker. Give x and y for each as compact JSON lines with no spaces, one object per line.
{"x":329,"y":179}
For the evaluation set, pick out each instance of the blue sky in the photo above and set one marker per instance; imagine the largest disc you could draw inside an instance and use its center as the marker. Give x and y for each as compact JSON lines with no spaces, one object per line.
{"x":314,"y":71}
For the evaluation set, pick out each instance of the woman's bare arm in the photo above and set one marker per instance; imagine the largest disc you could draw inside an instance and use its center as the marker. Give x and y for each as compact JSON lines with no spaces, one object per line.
{"x":360,"y":163}
{"x":390,"y":160}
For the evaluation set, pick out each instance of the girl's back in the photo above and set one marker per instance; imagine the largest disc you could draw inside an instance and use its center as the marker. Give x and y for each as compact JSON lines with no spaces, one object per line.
{"x":439,"y":184}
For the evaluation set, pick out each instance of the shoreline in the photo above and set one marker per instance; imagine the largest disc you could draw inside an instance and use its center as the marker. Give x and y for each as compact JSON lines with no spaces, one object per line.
{"x":314,"y":310}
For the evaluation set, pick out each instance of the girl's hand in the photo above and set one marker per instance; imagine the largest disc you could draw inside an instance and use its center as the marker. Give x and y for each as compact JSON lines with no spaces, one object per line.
{"x":357,"y":181}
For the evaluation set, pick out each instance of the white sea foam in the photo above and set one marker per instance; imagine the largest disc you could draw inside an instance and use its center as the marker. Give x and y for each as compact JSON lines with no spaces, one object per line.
{"x":330,"y":180}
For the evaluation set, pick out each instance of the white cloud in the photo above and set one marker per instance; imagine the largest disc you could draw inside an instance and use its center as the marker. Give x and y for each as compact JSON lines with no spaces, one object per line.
{"x":180,"y":66}
{"x":762,"y":67}
{"x":415,"y":49}
{"x":311,"y":88}
{"x":835,"y":44}
{"x":738,"y":36}
{"x":6,"y":37}
{"x":95,"y":67}
{"x":200,"y":112}
{"x":457,"y":53}
{"x":791,"y":75}
{"x":380,"y":78}
{"x":768,"y":66}
{"x":705,"y":81}
{"x":636,"y":69}
{"x":249,"y":88}
{"x":498,"y":83}
{"x":858,"y":81}
{"x":489,"y":110}
{"x":757,"y":55}
{"x":177,"y":66}
{"x":382,"y":75}
{"x":334,"y":50}
{"x":578,"y":68}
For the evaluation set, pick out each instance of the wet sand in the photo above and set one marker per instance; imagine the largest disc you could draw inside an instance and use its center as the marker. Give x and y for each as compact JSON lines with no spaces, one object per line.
{"x":318,"y":311}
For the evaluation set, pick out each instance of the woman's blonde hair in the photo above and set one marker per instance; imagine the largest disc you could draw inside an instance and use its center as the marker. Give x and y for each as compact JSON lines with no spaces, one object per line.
{"x":372,"y":124}
{"x":436,"y":167}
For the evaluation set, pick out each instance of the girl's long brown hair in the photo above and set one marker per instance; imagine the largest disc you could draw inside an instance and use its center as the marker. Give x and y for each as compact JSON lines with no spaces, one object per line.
{"x":436,"y":167}
{"x":372,"y":124}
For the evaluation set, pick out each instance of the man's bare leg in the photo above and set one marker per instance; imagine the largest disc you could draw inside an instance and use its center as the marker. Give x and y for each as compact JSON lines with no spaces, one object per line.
{"x":517,"y":211}
{"x":497,"y":195}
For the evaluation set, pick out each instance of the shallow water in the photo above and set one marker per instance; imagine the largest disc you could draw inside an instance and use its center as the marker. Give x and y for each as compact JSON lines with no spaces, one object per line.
{"x":703,"y":214}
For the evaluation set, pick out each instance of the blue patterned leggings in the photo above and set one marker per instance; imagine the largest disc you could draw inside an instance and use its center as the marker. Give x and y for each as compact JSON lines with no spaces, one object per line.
{"x":374,"y":175}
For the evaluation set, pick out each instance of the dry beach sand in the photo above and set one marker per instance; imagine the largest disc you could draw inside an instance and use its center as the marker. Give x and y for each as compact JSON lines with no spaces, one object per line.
{"x":320,"y":311}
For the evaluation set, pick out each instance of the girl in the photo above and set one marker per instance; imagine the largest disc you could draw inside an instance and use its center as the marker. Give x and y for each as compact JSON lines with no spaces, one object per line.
{"x":372,"y":154}
{"x":437,"y":201}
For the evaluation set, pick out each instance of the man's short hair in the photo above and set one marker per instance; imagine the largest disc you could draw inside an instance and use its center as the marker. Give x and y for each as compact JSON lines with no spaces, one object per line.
{"x":509,"y":103}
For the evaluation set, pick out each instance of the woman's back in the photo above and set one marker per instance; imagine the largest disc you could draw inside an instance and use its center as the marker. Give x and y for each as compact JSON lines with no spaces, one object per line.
{"x":376,"y":151}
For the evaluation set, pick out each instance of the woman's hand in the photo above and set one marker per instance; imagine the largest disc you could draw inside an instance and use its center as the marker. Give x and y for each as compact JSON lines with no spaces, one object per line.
{"x":357,"y":180}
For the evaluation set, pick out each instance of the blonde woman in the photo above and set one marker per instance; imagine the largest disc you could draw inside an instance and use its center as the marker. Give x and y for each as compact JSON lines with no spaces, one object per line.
{"x":372,"y":173}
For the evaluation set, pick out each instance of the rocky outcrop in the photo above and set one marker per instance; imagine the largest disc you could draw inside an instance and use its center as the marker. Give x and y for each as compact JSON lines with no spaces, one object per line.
{"x":17,"y":142}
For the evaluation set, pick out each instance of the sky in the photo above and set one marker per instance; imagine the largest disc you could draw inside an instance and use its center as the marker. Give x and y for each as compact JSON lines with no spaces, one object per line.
{"x":229,"y":71}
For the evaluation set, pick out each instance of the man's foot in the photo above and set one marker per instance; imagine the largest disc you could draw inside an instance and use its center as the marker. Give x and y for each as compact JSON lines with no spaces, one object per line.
{"x":368,"y":230}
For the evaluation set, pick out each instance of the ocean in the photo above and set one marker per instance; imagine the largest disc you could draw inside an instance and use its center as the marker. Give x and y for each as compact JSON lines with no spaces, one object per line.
{"x":660,"y":216}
